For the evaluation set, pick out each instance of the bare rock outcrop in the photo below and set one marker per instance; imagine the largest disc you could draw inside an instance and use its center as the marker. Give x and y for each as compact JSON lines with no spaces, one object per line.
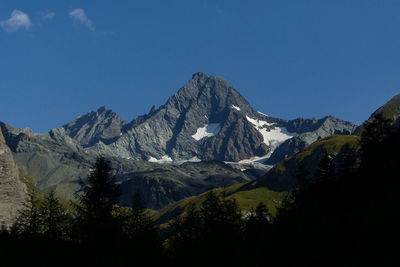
{"x":12,"y":190}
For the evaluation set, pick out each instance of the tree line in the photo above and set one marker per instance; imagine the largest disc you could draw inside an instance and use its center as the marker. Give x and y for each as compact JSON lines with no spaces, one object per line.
{"x":342,"y":216}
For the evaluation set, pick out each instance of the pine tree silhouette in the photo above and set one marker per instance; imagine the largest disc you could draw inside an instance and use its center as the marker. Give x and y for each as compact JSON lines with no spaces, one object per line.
{"x":326,"y":168}
{"x":30,"y":220}
{"x":56,"y":220}
{"x":96,"y":204}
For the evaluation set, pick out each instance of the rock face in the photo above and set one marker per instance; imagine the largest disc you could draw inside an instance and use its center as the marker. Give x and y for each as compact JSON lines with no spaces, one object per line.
{"x":205,"y":119}
{"x":53,"y":160}
{"x":12,"y":191}
{"x":101,"y":125}
{"x":180,"y":129}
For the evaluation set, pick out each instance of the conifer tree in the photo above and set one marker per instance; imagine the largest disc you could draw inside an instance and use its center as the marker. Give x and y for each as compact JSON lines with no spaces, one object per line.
{"x":257,"y":235}
{"x":261,"y":213}
{"x":187,"y":232}
{"x":30,"y":220}
{"x":97,"y":199}
{"x":55,"y":218}
{"x":326,"y":168}
{"x":222,"y":226}
{"x":373,"y":137}
{"x":258,"y":223}
{"x":140,"y":225}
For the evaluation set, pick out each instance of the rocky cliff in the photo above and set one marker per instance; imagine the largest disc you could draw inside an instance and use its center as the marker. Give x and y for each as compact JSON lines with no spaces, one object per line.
{"x":101,"y":125}
{"x":12,"y":191}
{"x":206,"y":119}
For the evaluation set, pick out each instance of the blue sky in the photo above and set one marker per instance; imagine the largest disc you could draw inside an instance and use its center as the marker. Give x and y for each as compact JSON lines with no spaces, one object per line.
{"x":60,"y":59}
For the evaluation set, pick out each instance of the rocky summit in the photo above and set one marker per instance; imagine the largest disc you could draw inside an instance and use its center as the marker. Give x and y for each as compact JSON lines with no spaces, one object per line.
{"x":101,"y":125}
{"x":203,"y":125}
{"x":206,"y":119}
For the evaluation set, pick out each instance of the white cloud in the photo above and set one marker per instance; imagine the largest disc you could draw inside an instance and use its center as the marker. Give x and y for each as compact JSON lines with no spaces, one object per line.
{"x":17,"y":21}
{"x":80,"y":16}
{"x":48,"y":15}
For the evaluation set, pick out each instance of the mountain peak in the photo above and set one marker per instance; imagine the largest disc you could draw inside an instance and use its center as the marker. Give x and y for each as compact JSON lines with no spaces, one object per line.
{"x":104,"y":125}
{"x":209,"y":93}
{"x":199,"y":75}
{"x":153,"y":109}
{"x":207,"y":118}
{"x":102,"y":109}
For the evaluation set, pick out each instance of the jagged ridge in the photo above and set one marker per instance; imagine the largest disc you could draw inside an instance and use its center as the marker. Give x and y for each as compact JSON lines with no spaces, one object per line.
{"x":168,"y":132}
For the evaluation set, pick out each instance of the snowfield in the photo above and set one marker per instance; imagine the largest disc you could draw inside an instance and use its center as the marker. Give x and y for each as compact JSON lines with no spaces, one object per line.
{"x":167,"y":160}
{"x":274,"y":136}
{"x":235,"y":107}
{"x":164,"y":159}
{"x":207,"y":131}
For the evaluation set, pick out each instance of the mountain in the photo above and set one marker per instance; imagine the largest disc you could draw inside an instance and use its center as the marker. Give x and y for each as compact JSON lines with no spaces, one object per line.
{"x":101,"y":125}
{"x":206,"y":119}
{"x":282,"y":176}
{"x":12,"y":190}
{"x":57,"y":162}
{"x":205,"y":122}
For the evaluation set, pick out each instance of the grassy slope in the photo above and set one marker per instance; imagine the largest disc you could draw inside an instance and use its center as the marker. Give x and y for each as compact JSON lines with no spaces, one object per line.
{"x":247,"y":200}
{"x":331,"y":145}
{"x":390,"y":110}
{"x":247,"y":196}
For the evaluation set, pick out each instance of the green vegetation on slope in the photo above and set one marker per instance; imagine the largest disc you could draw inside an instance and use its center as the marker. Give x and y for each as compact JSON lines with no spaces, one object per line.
{"x":249,"y":195}
{"x":390,"y":110}
{"x":331,"y":145}
{"x":247,"y":200}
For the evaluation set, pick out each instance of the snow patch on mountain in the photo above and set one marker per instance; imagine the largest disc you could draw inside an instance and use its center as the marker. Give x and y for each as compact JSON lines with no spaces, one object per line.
{"x":236,"y":107}
{"x":273,"y":135}
{"x":164,"y":159}
{"x":258,"y":123}
{"x":207,"y":130}
{"x":253,"y":162}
